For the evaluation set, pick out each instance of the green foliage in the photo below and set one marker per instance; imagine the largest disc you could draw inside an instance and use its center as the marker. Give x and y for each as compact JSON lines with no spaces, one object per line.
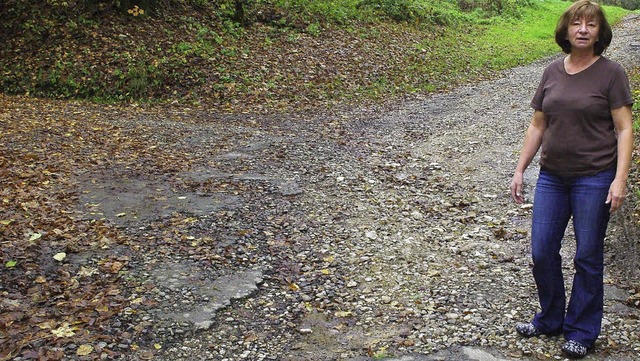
{"x":625,"y":4}
{"x":414,"y":11}
{"x":417,"y":12}
{"x":496,"y":7}
{"x":314,"y":29}
{"x":137,"y":81}
{"x":398,"y":10}
{"x":634,"y":78}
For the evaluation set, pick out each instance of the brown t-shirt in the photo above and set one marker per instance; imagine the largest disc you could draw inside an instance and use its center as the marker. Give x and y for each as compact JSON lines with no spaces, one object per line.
{"x":580,"y":137}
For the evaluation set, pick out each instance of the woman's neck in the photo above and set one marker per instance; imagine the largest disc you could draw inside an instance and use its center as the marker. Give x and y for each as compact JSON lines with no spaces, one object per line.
{"x":579,"y":61}
{"x":582,"y":56}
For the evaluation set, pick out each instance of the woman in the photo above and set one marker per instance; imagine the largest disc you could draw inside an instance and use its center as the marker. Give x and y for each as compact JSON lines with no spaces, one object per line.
{"x":582,"y":123}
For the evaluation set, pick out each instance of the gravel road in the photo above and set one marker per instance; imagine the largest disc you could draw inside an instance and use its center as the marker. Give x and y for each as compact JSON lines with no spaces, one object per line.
{"x":375,"y":233}
{"x":355,"y":234}
{"x":372,"y":233}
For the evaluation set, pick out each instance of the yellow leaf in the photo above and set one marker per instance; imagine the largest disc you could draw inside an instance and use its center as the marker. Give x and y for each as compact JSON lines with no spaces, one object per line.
{"x":326,"y":271}
{"x":329,"y":259}
{"x":60,"y":256}
{"x":46,"y":325}
{"x":157,"y":346}
{"x":35,"y":237}
{"x":343,"y":313}
{"x":6,"y":222}
{"x":63,"y":331}
{"x":294,"y":287}
{"x":84,"y":350}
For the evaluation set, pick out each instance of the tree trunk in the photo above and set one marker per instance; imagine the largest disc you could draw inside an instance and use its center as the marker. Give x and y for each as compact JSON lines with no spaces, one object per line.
{"x":239,"y":15}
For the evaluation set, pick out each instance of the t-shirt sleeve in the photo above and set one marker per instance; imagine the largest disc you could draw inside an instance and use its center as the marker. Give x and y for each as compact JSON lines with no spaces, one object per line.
{"x":620,"y":90}
{"x":536,"y":102}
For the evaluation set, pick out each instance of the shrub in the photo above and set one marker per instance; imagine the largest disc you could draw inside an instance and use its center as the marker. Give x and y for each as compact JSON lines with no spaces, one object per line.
{"x":415,"y":11}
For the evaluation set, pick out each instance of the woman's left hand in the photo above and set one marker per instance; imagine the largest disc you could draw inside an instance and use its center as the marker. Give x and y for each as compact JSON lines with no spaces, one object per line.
{"x":623,"y":122}
{"x":617,"y":194}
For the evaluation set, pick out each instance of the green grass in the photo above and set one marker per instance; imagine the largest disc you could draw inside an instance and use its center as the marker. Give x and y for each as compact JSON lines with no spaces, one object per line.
{"x":488,"y":45}
{"x":528,"y":38}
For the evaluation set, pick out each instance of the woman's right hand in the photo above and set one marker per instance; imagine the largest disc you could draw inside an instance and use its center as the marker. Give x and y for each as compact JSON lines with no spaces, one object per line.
{"x":516,"y":187}
{"x":532,"y":142}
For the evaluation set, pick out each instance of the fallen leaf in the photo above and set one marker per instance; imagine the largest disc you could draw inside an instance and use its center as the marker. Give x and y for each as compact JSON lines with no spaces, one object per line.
{"x":73,"y":284}
{"x":11,"y":264}
{"x":47,"y":325}
{"x":116,"y":266}
{"x":84,"y":350}
{"x":113,"y":292}
{"x":63,"y":331}
{"x":35,"y":237}
{"x":102,"y":310}
{"x":60,"y":256}
{"x":87,"y":271}
{"x":343,"y":313}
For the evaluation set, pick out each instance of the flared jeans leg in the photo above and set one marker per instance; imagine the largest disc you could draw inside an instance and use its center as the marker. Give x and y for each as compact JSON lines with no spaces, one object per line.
{"x":551,"y":213}
{"x":583,"y":319}
{"x":555,"y":201}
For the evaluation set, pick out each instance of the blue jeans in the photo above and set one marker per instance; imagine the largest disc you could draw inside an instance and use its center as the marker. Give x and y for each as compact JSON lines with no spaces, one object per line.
{"x":556,"y":200}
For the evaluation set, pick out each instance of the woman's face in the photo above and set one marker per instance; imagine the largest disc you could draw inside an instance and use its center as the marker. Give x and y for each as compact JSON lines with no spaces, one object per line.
{"x":583,"y":33}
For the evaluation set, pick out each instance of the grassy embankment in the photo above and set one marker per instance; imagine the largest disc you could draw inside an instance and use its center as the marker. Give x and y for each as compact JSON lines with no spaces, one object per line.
{"x":294,"y":54}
